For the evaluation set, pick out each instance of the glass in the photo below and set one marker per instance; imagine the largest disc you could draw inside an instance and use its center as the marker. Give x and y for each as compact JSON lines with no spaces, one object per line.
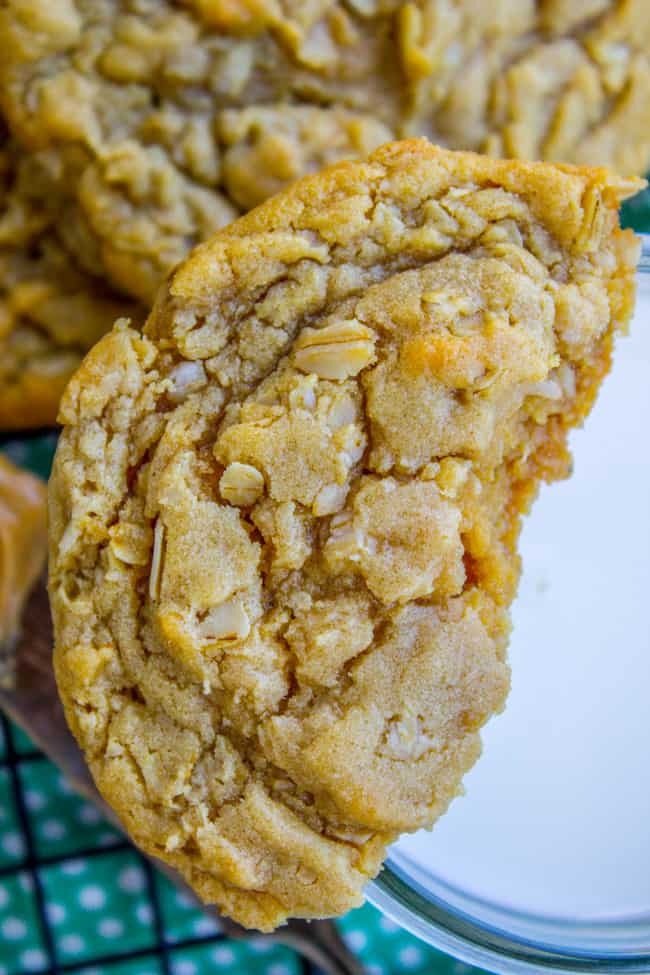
{"x":462,"y":905}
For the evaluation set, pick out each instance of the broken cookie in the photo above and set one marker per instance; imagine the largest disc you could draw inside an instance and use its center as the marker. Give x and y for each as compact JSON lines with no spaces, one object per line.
{"x":284,"y":518}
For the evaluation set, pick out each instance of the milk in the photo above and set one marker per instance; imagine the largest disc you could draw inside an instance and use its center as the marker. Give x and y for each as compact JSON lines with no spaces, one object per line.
{"x":556,"y":816}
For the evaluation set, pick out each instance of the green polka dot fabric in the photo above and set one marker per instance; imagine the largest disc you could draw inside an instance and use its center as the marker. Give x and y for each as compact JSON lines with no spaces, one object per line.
{"x":76,"y":897}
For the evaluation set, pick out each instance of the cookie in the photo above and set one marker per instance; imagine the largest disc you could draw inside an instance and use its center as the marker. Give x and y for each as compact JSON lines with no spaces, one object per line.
{"x":148,"y":125}
{"x":23,"y":546}
{"x":284,"y":517}
{"x":167,"y":119}
{"x":51,"y":311}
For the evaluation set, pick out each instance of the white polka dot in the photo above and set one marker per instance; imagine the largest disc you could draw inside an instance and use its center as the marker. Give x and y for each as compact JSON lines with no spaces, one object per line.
{"x":260,"y":946}
{"x":223,"y":955}
{"x":4,"y":897}
{"x":33,"y":959}
{"x":55,"y":913}
{"x":88,"y":814}
{"x":92,"y":898}
{"x":131,"y":880}
{"x":34,"y":800}
{"x":205,"y":925}
{"x":3,"y":970}
{"x":388,"y":926}
{"x":410,"y":957}
{"x":72,"y":944}
{"x":110,"y":927}
{"x":375,"y":969}
{"x":53,"y":829}
{"x":278,"y":969}
{"x":13,"y":844}
{"x":26,"y":882}
{"x":13,"y":928}
{"x":183,"y":966}
{"x":72,"y":868}
{"x":144,"y":913}
{"x":64,"y":786}
{"x":183,"y":900}
{"x":356,"y":940}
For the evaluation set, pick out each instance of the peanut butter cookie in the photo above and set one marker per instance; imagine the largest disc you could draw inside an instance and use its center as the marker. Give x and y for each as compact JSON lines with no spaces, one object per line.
{"x":51,"y":310}
{"x":284,"y":517}
{"x":157,"y":122}
{"x":168,"y":118}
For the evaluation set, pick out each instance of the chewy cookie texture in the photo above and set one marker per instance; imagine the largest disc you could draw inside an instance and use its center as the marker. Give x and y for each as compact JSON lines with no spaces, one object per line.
{"x":164,"y":120}
{"x":152,"y":123}
{"x":51,"y":311}
{"x":284,"y":517}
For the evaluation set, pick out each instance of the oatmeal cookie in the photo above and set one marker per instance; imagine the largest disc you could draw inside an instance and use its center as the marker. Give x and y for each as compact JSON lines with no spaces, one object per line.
{"x":171,"y":117}
{"x":23,"y":544}
{"x":284,"y":516}
{"x":51,"y":311}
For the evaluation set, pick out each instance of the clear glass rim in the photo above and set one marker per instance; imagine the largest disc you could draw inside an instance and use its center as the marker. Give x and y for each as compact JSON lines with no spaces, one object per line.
{"x":505,"y":941}
{"x":500,"y":939}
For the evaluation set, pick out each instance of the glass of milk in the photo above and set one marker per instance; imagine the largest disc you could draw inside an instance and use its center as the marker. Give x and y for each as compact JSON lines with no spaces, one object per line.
{"x":545,"y":861}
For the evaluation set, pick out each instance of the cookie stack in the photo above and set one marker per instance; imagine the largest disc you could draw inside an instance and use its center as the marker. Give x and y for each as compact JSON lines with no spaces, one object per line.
{"x":286,"y":499}
{"x":134,"y":129}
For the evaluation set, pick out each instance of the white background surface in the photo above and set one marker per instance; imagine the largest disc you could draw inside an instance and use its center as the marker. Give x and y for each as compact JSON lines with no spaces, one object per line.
{"x":556,"y":816}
